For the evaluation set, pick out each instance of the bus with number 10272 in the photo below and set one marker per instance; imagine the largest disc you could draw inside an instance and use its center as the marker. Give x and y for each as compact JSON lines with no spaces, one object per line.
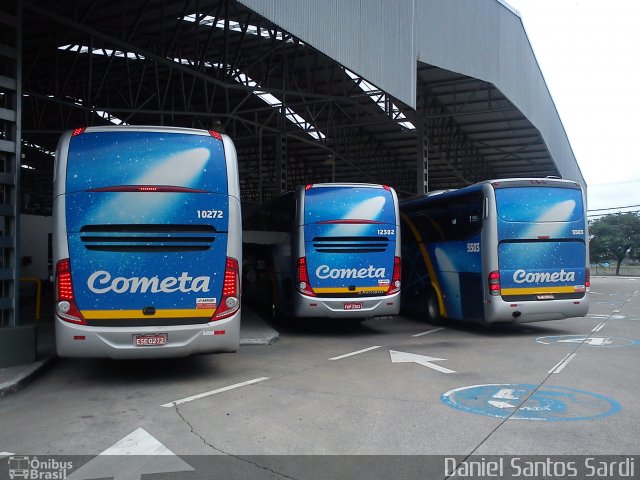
{"x":147,"y":242}
{"x":500,"y":251}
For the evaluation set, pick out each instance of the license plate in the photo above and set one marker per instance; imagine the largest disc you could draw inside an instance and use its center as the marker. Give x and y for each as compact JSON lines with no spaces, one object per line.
{"x":546,"y":297}
{"x":353,"y":306}
{"x":150,"y":340}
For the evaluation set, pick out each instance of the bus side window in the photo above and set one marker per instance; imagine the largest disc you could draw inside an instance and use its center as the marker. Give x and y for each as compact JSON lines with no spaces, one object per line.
{"x":454,"y":219}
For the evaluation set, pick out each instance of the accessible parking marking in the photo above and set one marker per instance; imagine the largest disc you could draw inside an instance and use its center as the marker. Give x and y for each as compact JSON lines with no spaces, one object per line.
{"x":213,"y":392}
{"x":530,"y":402}
{"x":355,"y":353}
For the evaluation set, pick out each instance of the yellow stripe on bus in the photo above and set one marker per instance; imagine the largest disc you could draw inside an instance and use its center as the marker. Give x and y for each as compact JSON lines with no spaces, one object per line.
{"x":428,"y":264}
{"x":348,"y":290}
{"x":537,"y":290}
{"x":128,"y":314}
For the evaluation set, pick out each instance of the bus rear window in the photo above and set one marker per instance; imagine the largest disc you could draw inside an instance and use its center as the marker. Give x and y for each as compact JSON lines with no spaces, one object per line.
{"x":339,"y":204}
{"x":539,"y":204}
{"x":109,"y":159}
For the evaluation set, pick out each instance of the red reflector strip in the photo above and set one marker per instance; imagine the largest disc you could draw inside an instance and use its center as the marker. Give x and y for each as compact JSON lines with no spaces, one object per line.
{"x":146,"y":188}
{"x":219,"y":332}
{"x":350,"y":221}
{"x":79,"y":337}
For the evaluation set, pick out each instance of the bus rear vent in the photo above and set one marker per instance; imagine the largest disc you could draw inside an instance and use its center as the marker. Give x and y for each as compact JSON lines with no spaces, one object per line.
{"x":350,"y":244}
{"x":147,"y":238}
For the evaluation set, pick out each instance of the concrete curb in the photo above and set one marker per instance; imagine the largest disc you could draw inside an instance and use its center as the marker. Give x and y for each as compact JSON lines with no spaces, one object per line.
{"x":22,"y":375}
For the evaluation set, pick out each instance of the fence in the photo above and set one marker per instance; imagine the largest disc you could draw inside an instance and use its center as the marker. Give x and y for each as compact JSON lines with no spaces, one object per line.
{"x":625,"y":270}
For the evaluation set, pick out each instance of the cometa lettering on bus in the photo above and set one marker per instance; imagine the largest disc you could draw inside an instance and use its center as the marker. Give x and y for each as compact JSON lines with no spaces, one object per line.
{"x":324,"y":272}
{"x":183,"y":283}
{"x":521,"y":276}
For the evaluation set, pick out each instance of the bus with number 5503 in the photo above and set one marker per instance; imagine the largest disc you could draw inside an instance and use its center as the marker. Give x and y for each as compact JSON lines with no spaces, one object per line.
{"x":500,"y":251}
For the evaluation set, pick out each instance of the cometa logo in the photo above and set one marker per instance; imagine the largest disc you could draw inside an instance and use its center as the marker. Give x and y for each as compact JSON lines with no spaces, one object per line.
{"x":323,"y":272}
{"x":101,"y":282}
{"x":522,"y":276}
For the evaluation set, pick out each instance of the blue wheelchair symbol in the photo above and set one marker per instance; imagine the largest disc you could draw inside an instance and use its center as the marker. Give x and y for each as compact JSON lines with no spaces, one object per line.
{"x":530,"y":402}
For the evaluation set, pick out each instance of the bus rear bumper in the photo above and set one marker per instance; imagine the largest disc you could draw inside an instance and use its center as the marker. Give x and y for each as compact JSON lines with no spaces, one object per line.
{"x":499,"y":311}
{"x":305,"y":306}
{"x":74,"y":340}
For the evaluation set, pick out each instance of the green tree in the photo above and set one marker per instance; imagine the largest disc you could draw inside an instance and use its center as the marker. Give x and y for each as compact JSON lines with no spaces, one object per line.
{"x":615,"y":236}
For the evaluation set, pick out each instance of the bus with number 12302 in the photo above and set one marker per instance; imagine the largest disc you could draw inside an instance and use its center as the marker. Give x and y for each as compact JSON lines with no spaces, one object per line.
{"x":500,"y":251}
{"x":328,"y":250}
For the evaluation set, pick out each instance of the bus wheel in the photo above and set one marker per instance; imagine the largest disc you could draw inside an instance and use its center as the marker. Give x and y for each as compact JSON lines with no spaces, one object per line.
{"x":432,"y":309}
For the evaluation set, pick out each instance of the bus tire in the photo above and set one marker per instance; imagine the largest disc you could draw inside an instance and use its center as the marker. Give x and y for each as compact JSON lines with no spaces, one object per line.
{"x":432,"y":308}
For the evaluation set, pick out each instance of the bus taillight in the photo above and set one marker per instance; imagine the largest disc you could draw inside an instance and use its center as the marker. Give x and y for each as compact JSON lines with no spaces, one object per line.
{"x":66,"y":307}
{"x":78,"y":131}
{"x":494,"y":282}
{"x":302,"y":278}
{"x":230,"y":301}
{"x":215,"y":135}
{"x":587,"y":280}
{"x":395,"y":278}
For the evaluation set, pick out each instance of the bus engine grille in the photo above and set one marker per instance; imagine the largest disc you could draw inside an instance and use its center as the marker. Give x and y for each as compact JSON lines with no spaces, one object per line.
{"x":148,"y":238}
{"x":350,"y":244}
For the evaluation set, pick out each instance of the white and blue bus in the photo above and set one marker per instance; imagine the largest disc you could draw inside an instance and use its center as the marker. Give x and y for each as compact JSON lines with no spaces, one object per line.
{"x":147,"y":242}
{"x":328,"y":250}
{"x":499,"y":251}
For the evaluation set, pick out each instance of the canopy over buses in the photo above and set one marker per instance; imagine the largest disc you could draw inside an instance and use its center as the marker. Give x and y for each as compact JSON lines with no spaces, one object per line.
{"x":418,"y":97}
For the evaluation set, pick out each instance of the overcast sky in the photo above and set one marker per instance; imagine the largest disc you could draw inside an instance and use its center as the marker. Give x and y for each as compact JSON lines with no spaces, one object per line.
{"x":589,"y":54}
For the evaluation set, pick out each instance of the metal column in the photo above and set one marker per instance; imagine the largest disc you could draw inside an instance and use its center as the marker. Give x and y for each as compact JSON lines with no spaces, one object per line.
{"x":422,"y":150}
{"x":10,"y":118}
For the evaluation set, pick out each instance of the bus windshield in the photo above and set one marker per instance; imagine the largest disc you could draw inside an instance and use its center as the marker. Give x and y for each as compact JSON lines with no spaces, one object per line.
{"x":107,"y":159}
{"x":539,"y":204}
{"x":345,"y":204}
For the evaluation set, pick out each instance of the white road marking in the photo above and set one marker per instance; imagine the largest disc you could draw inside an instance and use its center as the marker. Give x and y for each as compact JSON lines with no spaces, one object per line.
{"x":428,"y":332}
{"x":562,"y":363}
{"x":405,"y":357}
{"x":135,"y":455}
{"x":213,"y":392}
{"x":354,"y":353}
{"x":599,"y":327}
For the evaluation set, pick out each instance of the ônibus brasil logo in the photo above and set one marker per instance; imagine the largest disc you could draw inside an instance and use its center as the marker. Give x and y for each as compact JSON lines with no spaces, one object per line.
{"x":33,"y":468}
{"x":522,"y":276}
{"x":102,"y":282}
{"x":324,"y":271}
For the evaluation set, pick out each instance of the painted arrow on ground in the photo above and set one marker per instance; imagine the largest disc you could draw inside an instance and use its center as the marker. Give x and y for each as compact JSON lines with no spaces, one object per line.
{"x":136,"y":454}
{"x":405,"y":357}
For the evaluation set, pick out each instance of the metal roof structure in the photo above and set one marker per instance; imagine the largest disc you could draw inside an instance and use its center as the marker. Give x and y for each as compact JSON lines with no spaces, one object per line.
{"x":426,"y":95}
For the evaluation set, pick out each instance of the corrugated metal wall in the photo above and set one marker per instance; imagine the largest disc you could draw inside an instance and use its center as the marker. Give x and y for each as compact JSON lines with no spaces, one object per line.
{"x":373,"y":38}
{"x":485,"y":39}
{"x":382,"y":39}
